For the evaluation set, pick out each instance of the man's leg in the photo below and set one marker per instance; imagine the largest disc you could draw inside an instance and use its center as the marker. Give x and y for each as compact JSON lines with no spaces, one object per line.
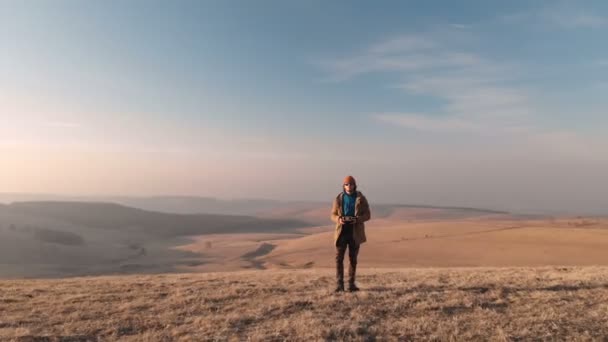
{"x":353,"y":252}
{"x":340,"y":251}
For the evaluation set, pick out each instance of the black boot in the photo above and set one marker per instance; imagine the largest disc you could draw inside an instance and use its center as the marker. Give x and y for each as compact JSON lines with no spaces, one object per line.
{"x":339,"y":287}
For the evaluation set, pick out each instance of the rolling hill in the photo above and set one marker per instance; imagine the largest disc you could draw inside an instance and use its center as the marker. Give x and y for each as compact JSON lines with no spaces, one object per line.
{"x":77,"y":238}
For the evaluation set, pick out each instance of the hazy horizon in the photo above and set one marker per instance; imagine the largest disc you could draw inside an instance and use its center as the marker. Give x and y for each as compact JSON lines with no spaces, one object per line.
{"x":476,"y":104}
{"x":166,"y":203}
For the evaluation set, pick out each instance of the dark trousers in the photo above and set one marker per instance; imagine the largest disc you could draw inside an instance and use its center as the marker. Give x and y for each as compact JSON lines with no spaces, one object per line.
{"x":345,"y":240}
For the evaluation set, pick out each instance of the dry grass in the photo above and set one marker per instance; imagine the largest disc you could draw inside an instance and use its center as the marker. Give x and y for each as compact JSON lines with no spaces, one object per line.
{"x":563,"y":303}
{"x":460,"y":243}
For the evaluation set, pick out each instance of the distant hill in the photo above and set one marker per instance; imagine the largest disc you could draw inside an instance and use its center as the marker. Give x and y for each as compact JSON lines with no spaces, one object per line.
{"x":170,"y":204}
{"x":167,"y":204}
{"x":113,"y":216}
{"x":77,"y":238}
{"x":193,"y":205}
{"x":318,"y":213}
{"x":211,"y":205}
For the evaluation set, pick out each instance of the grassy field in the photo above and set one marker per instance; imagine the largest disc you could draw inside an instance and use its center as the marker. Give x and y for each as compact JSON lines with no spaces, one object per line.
{"x":397,"y":243}
{"x":500,"y":304}
{"x":425,"y":273}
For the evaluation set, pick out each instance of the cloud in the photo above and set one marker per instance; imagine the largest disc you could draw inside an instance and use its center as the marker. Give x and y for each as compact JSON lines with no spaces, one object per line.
{"x":479,"y":100}
{"x":602,"y":63}
{"x":62,"y":124}
{"x":476,"y":94}
{"x":460,"y":26}
{"x":401,"y":44}
{"x":411,"y":53}
{"x":573,"y":19}
{"x":560,"y":15}
{"x":413,"y":62}
{"x":424,"y":123}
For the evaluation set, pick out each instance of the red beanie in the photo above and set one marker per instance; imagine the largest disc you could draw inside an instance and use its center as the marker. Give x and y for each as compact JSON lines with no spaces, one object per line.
{"x":349,"y":179}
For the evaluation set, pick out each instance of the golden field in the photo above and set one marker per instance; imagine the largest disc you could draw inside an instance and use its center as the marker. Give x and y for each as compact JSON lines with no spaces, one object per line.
{"x":448,"y":274}
{"x":493,"y":241}
{"x":498,"y":304}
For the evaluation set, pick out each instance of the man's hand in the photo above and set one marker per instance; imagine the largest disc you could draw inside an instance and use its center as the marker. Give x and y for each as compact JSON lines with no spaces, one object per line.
{"x":353,"y":221}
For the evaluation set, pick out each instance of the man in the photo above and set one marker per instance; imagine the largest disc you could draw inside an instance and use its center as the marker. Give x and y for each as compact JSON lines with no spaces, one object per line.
{"x":349,"y":211}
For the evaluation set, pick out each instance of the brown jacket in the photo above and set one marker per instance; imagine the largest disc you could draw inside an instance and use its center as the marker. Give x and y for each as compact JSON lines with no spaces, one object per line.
{"x":361,"y":211}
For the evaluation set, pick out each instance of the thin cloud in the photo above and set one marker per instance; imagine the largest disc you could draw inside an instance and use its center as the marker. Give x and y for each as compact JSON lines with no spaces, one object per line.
{"x":407,"y":53}
{"x":401,"y":44}
{"x":477,"y":97}
{"x":62,"y":124}
{"x":460,"y":26}
{"x":571,"y":20}
{"x":474,"y":92}
{"x":565,"y":16}
{"x":425,"y":123}
{"x":602,"y":63}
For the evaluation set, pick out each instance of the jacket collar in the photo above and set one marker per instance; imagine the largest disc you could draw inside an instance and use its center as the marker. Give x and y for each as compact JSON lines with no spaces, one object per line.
{"x":340,"y":195}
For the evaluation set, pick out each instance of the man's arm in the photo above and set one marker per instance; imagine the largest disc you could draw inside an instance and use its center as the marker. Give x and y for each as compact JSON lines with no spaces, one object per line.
{"x":366,"y":214}
{"x":334,"y":212}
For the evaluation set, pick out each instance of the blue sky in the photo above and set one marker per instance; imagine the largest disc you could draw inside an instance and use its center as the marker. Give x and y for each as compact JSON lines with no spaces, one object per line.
{"x":483,"y":103}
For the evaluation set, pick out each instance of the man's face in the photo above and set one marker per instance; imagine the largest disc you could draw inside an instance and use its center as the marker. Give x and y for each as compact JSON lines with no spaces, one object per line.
{"x":349,"y":187}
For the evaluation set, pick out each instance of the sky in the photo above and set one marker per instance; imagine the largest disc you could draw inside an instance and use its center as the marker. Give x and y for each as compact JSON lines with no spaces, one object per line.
{"x":473,"y":103}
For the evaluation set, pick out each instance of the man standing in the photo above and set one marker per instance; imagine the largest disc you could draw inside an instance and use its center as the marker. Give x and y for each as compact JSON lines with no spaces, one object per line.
{"x":349,"y":211}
